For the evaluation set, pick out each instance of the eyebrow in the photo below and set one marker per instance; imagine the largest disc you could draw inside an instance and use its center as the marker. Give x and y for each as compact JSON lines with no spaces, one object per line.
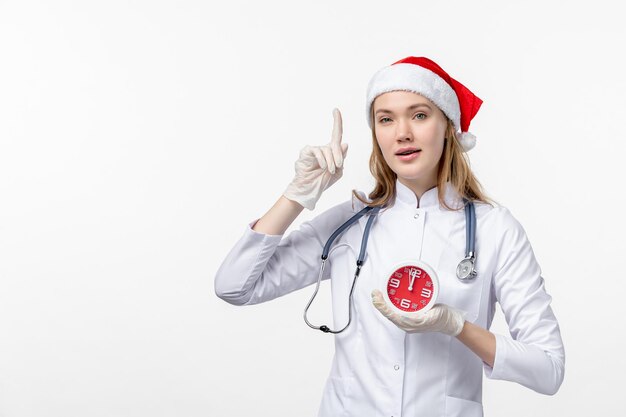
{"x":414,"y":106}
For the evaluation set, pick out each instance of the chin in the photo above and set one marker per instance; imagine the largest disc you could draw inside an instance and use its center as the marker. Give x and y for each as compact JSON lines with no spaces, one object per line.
{"x":410,"y":175}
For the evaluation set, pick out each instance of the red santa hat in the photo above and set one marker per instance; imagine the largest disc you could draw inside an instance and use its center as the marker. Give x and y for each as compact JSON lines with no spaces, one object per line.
{"x":423,"y":76}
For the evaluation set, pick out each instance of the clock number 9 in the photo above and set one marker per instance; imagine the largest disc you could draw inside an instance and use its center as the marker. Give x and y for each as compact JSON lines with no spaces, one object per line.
{"x":394,"y":282}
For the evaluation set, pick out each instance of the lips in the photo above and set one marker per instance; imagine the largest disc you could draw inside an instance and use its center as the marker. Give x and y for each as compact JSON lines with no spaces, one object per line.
{"x":407,"y":151}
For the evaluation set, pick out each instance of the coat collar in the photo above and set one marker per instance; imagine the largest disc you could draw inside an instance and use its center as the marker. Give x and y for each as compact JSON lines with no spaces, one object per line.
{"x":430,"y":199}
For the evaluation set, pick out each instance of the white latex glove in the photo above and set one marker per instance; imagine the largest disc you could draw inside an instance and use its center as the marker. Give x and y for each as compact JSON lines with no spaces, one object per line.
{"x":440,"y":318}
{"x":318,"y":168}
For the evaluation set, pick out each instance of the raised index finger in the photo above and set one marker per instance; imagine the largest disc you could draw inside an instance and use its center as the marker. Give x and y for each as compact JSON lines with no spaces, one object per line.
{"x":337,"y":128}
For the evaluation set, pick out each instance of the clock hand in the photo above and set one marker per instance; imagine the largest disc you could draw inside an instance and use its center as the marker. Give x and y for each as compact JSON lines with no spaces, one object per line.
{"x":412,"y":274}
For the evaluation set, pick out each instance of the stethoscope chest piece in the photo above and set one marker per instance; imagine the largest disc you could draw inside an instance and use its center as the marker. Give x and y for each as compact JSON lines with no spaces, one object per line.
{"x":465,"y":270}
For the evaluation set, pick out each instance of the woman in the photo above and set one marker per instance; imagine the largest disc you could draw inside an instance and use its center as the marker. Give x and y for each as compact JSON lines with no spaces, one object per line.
{"x":386,"y":364}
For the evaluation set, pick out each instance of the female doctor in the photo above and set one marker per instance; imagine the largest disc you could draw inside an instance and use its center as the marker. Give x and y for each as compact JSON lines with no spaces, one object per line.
{"x":386,"y":364}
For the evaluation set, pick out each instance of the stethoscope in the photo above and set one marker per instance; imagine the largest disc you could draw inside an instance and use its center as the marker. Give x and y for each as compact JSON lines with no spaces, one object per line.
{"x":465,"y":271}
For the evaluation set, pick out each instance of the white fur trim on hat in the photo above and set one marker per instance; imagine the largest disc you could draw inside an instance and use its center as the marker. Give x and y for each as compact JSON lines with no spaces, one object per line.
{"x":417,"y":79}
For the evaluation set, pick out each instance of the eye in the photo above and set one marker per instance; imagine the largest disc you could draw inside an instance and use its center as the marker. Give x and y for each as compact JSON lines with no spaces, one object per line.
{"x":420,"y":116}
{"x":384,"y":119}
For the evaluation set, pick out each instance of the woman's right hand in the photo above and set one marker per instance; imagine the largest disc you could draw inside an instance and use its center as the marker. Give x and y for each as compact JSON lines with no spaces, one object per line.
{"x":318,"y":167}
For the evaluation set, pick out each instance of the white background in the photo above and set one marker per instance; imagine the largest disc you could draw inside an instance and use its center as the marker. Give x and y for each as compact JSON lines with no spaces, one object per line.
{"x":138,"y":138}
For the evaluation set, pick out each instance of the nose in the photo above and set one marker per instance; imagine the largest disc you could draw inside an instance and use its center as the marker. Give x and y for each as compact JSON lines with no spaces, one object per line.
{"x":403,"y":130}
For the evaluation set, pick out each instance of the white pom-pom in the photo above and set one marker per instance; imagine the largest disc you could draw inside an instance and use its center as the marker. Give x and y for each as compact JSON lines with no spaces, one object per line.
{"x":467,"y":140}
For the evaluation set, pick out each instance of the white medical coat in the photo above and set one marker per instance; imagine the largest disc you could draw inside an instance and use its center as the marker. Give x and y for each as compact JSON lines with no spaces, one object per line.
{"x":378,"y":369}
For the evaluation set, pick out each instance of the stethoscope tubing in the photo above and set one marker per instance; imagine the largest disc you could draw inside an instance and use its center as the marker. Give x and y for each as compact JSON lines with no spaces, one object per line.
{"x":359,"y":263}
{"x":470,"y":228}
{"x":470,"y":238}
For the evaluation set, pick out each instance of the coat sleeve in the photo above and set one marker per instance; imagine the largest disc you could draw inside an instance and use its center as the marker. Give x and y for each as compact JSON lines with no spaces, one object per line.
{"x":534,"y":355}
{"x":262,"y":267}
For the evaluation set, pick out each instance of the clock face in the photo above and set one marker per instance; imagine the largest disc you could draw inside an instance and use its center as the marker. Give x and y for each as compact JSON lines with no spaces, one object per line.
{"x":412,"y":287}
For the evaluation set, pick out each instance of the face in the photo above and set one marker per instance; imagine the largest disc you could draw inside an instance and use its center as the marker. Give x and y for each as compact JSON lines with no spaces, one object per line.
{"x":407,"y":120}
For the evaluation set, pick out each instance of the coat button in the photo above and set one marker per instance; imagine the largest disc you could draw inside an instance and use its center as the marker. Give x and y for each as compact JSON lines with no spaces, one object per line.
{"x":396,"y":367}
{"x":416,"y":215}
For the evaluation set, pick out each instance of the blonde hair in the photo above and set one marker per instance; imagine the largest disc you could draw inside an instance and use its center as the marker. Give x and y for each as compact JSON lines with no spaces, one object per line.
{"x":454,"y":166}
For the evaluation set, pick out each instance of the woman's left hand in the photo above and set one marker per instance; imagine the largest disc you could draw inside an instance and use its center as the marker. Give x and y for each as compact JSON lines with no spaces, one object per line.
{"x":440,"y":318}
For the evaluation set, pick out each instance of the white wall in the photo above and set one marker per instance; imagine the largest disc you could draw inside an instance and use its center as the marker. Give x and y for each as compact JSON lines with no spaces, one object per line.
{"x":139,"y":137}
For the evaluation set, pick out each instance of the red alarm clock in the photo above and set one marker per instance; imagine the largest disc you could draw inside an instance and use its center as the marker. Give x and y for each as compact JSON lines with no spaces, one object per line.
{"x":412,"y":287}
